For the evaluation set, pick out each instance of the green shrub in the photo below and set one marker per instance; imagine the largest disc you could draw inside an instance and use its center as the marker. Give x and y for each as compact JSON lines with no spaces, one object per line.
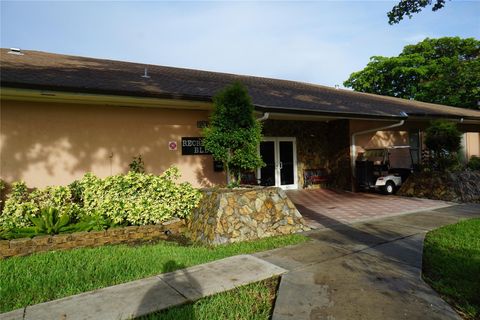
{"x":17,"y":207}
{"x":51,"y":222}
{"x":76,"y":189}
{"x":138,"y":198}
{"x":443,"y":140}
{"x":130,"y":199}
{"x":95,"y":222}
{"x":474,"y":163}
{"x":21,"y":204}
{"x":137,"y":164}
{"x":2,"y":196}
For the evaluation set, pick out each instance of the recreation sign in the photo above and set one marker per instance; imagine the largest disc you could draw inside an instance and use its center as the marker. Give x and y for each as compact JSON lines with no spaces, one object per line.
{"x":193,"y":146}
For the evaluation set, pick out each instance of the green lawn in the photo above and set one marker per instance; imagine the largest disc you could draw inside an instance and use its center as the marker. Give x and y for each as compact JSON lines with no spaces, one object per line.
{"x":250,"y":302}
{"x":52,"y":275}
{"x":451,"y":265}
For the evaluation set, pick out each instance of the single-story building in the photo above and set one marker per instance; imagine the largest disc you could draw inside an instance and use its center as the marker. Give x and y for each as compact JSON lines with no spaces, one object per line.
{"x":63,"y":116}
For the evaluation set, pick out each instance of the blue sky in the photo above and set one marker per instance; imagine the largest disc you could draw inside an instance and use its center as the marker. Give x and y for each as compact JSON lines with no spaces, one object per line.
{"x":319,"y":41}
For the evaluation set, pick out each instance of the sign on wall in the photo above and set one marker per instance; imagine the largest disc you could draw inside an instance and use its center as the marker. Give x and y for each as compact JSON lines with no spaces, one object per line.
{"x":172,"y":145}
{"x":193,"y":146}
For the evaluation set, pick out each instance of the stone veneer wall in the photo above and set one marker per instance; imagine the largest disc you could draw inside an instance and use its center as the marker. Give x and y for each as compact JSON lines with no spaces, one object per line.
{"x":339,"y":154}
{"x":320,"y":144}
{"x":133,"y":234}
{"x":226,"y":215}
{"x":457,"y":186}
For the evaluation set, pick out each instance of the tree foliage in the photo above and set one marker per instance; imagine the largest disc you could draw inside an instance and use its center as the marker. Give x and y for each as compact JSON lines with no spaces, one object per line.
{"x":444,"y":71}
{"x":234,"y":135}
{"x":408,"y":7}
{"x":443,"y":140}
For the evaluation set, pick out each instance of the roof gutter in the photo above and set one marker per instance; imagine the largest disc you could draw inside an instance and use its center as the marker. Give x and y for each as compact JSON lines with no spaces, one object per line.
{"x":353,"y":146}
{"x":339,"y":115}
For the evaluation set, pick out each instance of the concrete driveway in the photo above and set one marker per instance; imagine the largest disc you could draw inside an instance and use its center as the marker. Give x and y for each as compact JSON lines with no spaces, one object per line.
{"x":324,"y":208}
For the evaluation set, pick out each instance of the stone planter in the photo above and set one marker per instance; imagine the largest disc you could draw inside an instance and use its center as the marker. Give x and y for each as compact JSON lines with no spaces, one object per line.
{"x":233,"y":215}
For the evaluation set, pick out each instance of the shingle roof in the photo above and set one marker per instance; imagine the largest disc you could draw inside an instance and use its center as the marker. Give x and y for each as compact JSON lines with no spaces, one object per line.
{"x":48,"y":71}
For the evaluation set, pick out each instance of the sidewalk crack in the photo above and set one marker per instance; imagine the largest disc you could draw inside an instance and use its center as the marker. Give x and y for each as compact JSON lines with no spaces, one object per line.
{"x":175,"y":289}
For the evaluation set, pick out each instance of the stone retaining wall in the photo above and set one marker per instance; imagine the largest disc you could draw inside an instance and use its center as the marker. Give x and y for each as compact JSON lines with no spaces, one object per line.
{"x":458,"y":186}
{"x":226,"y":215}
{"x":133,"y":234}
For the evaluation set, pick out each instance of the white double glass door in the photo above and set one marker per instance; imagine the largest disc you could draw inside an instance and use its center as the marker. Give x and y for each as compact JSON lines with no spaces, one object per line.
{"x":280,"y":157}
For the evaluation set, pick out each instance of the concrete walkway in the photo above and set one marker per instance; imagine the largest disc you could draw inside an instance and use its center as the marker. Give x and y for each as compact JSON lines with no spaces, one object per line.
{"x":363,"y":271}
{"x":145,"y":296}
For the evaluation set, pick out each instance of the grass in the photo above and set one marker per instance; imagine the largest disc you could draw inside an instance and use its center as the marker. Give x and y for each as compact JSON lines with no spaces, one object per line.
{"x":52,"y":275}
{"x":253,"y":302}
{"x":451,"y":265}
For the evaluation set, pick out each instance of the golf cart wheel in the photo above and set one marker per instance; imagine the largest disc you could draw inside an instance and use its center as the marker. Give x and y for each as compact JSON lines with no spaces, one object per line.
{"x":390,"y":188}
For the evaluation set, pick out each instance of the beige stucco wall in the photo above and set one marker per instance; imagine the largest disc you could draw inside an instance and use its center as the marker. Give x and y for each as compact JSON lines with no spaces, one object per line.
{"x":394,"y":137}
{"x":55,"y":143}
{"x":472,"y":144}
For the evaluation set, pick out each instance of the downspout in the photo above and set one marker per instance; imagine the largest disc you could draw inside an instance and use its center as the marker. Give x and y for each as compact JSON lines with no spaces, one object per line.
{"x":353,"y":148}
{"x":264,"y":117}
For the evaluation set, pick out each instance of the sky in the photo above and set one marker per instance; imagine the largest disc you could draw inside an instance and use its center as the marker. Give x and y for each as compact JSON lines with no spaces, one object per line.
{"x":319,"y":42}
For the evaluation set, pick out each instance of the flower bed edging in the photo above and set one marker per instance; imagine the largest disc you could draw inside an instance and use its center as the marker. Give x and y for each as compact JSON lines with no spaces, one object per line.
{"x":132,"y":234}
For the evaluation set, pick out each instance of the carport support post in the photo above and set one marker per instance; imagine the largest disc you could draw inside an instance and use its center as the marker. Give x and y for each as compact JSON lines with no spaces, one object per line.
{"x":353,"y":149}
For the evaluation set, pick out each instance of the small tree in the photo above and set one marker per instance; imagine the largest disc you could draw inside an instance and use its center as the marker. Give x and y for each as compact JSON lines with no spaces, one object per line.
{"x":443,"y":140}
{"x":233,"y":135}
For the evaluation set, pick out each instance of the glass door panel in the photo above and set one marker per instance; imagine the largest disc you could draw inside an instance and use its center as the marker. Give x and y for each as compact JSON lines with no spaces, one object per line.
{"x":267,"y":173}
{"x":287,"y":176}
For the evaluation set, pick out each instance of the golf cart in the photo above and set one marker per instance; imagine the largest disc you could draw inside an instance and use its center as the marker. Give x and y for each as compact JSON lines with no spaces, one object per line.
{"x":384,"y":169}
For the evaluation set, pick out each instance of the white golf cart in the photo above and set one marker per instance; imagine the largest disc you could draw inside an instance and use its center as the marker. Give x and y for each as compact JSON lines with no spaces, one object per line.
{"x":384,"y":169}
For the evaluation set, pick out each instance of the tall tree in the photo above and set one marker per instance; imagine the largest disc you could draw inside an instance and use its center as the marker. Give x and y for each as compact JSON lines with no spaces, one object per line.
{"x":408,"y":7}
{"x":233,"y":135}
{"x":444,"y":71}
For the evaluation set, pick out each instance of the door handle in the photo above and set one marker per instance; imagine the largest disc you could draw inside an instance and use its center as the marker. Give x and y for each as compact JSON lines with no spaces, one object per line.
{"x":281,"y":165}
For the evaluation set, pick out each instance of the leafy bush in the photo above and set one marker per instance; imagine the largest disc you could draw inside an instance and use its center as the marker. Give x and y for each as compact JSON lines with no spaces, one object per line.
{"x":21,"y":204}
{"x":94,"y":222}
{"x":474,"y":163}
{"x":76,"y":189}
{"x":137,"y":198}
{"x":2,"y":187}
{"x":95,"y":204}
{"x":51,"y":222}
{"x":137,"y":164}
{"x":443,"y":139}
